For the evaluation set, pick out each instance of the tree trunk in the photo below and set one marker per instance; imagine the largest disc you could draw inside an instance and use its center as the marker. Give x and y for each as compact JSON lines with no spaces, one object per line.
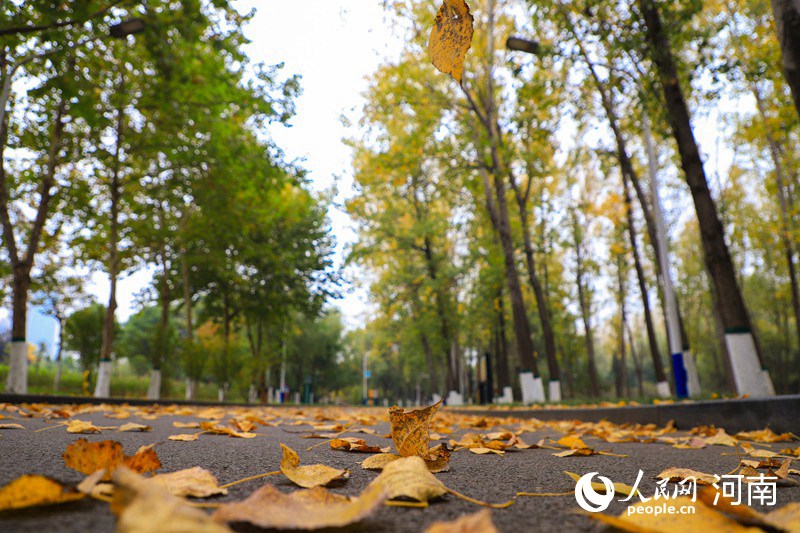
{"x":162,"y":342}
{"x":749,"y":373}
{"x":787,"y":23}
{"x":661,"y":378}
{"x":503,"y":376}
{"x":637,"y":364}
{"x":585,"y":309}
{"x":191,"y":372}
{"x":623,"y":363}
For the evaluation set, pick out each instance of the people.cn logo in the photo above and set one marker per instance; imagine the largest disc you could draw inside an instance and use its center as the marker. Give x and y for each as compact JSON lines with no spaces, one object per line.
{"x":588,"y":498}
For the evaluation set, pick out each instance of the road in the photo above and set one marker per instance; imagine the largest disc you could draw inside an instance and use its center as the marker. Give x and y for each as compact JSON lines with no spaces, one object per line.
{"x":492,"y":478}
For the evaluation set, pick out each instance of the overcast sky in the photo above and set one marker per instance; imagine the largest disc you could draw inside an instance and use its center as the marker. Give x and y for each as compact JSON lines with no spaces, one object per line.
{"x":333,"y":45}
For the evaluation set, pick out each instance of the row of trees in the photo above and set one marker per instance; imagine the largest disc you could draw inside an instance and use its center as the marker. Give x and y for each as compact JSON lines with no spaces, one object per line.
{"x":134,"y":135}
{"x":511,"y":213}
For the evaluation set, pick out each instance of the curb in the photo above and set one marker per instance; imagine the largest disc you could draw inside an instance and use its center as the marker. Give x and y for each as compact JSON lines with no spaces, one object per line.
{"x":781,"y":414}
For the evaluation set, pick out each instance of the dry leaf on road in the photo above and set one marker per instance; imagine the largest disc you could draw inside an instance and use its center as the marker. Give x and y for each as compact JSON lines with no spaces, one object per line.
{"x":196,"y":482}
{"x":409,"y":477}
{"x":30,"y":490}
{"x":308,"y":476}
{"x":679,"y":474}
{"x":81,"y":426}
{"x":132,"y":426}
{"x":303,"y":509}
{"x":451,"y":37}
{"x":89,"y":457}
{"x":410,"y":429}
{"x":184,"y":437}
{"x":144,"y":506}
{"x":11,"y":426}
{"x":353,"y":444}
{"x":480,"y":522}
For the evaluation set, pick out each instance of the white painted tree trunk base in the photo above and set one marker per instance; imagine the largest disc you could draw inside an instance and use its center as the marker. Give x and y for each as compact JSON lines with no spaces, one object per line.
{"x":102,"y":388}
{"x":748,"y":375}
{"x":507,"y":397}
{"x":191,"y":390}
{"x":252,"y":394}
{"x":554,"y":391}
{"x":532,"y":388}
{"x":436,"y":398}
{"x":222,"y":392}
{"x":17,"y":381}
{"x":454,"y":398}
{"x":662,"y":389}
{"x":692,"y":378}
{"x":154,"y":390}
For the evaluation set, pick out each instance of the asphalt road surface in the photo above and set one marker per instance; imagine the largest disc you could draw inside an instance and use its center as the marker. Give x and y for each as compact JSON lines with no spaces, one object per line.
{"x":491,"y":478}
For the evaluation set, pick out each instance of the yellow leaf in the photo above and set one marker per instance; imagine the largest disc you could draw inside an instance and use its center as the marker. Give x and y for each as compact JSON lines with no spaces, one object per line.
{"x":786,"y":518}
{"x":80,"y":426}
{"x":483,"y":451}
{"x":679,"y":474}
{"x":378,"y":461}
{"x":132,"y":426}
{"x":480,"y":522}
{"x":571,"y":441}
{"x":308,"y":476}
{"x":409,"y":477}
{"x":196,"y":482}
{"x":451,"y":37}
{"x":145,"y":460}
{"x":353,"y":444}
{"x":144,"y":506}
{"x":304,"y":509}
{"x":184,"y":437}
{"x":619,"y":488}
{"x":11,"y":426}
{"x":721,"y":438}
{"x":410,"y":430}
{"x":89,"y":457}
{"x":30,"y":490}
{"x":765,"y":435}
{"x":186,"y":424}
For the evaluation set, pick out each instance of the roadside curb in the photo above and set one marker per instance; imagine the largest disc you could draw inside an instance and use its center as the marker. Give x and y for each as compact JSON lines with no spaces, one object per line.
{"x":781,"y":414}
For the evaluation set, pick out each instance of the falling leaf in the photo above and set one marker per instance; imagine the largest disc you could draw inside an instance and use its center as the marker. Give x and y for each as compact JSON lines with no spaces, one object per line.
{"x":31,"y":490}
{"x":132,"y":426}
{"x":317,"y":508}
{"x":353,"y":444}
{"x":409,"y":477}
{"x":81,"y":426}
{"x":451,"y":37}
{"x":308,"y":476}
{"x":196,"y":482}
{"x":11,"y":426}
{"x":480,"y":522}
{"x":184,"y":437}
{"x":410,"y":430}
{"x":702,"y":519}
{"x":144,"y":506}
{"x":679,"y":474}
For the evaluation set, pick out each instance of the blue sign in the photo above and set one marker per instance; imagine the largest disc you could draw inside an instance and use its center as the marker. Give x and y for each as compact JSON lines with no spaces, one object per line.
{"x":367,"y":374}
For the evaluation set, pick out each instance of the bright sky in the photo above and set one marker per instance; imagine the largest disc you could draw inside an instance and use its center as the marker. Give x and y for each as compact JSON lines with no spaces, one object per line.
{"x":333,"y":45}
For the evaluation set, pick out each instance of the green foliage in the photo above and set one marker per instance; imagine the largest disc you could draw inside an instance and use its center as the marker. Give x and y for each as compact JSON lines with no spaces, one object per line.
{"x":83,"y":334}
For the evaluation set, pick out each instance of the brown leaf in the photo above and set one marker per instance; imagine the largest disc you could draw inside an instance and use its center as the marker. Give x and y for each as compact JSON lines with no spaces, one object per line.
{"x":480,"y":522}
{"x":187,"y":425}
{"x":196,"y":482}
{"x":410,"y":430}
{"x":451,"y":37}
{"x":145,"y":506}
{"x":378,"y":461}
{"x":409,"y":477}
{"x":765,"y":435}
{"x":143,"y":461}
{"x":352,"y":444}
{"x":31,"y":490}
{"x":308,"y":476}
{"x":81,"y":426}
{"x":89,"y":457}
{"x":679,"y":474}
{"x":304,"y":509}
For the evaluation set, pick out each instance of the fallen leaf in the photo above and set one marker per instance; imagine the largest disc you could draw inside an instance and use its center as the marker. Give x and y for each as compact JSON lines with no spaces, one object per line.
{"x":144,"y":506}
{"x":196,"y":482}
{"x":619,"y":488}
{"x":480,"y":522}
{"x":89,"y":457}
{"x":184,"y":437}
{"x":765,"y":435}
{"x":304,"y":509}
{"x":378,"y":461}
{"x":143,"y":461}
{"x":308,"y":476}
{"x":11,"y":426}
{"x":409,"y":477}
{"x":480,"y":450}
{"x":81,"y":426}
{"x":720,"y":438}
{"x":410,"y":430}
{"x":451,"y":37}
{"x":786,"y":518}
{"x":245,"y":426}
{"x":132,"y":426}
{"x":571,"y":441}
{"x":186,"y":424}
{"x":32,"y":490}
{"x":679,"y":474}
{"x":353,"y":444}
